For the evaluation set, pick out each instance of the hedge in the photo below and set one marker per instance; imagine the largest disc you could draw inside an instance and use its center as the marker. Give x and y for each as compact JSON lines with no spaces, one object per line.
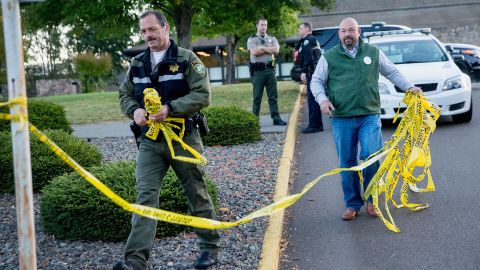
{"x":71,"y":208}
{"x":42,"y":114}
{"x":45,"y":164}
{"x":230,"y":125}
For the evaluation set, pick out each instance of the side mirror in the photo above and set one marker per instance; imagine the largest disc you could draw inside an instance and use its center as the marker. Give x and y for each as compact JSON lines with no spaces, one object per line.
{"x":449,"y":48}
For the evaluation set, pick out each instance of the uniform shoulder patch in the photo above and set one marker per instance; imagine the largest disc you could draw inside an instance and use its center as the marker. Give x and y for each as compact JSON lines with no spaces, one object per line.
{"x":305,"y":43}
{"x":199,"y":67}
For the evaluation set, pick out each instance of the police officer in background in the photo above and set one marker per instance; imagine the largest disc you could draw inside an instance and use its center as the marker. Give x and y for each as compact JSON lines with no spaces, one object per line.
{"x":308,"y":54}
{"x":263,"y":49}
{"x":182,"y":82}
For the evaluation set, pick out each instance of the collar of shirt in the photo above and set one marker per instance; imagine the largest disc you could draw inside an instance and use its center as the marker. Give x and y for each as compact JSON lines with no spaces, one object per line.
{"x":157,"y":57}
{"x":353,"y":52}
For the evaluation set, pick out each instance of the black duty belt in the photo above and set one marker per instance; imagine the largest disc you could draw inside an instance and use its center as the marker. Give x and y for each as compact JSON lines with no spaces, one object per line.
{"x":261,"y":66}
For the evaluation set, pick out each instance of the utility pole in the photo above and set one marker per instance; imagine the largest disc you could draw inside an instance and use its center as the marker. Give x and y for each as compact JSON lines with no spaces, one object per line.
{"x":20,"y":136}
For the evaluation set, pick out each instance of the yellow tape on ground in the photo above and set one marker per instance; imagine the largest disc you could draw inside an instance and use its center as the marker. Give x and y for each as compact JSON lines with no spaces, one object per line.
{"x":400,"y":160}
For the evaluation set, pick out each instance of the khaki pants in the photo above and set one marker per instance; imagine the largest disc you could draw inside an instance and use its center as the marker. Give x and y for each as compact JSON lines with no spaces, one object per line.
{"x":153,"y":161}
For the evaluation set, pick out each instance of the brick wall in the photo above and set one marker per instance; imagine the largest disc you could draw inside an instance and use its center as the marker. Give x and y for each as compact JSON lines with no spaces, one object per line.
{"x":57,"y":87}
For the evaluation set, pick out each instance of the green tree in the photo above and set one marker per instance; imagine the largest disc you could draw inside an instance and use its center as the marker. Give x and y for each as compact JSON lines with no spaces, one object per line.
{"x":236,"y":19}
{"x":44,"y":49}
{"x":181,"y":13}
{"x":107,"y":26}
{"x":104,"y":26}
{"x":92,"y":68}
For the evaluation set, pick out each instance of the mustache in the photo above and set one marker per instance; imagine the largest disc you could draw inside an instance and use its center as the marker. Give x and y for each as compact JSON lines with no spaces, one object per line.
{"x":151,"y":39}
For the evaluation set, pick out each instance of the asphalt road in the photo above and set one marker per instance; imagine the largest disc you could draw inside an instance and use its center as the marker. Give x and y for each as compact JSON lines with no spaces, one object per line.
{"x":444,"y":236}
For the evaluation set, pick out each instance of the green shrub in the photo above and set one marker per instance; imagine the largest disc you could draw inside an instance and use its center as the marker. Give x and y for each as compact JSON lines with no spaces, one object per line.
{"x":231,"y":125}
{"x":42,"y":114}
{"x":45,"y":164}
{"x":73,"y":209}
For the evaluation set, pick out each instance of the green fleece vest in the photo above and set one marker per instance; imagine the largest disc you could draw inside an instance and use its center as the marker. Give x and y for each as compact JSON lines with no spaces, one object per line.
{"x":352,"y":85}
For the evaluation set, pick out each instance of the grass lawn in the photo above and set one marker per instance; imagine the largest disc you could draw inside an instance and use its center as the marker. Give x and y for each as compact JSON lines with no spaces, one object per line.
{"x":104,"y":106}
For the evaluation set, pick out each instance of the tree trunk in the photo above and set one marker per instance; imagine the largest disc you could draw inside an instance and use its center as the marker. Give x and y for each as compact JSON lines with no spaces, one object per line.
{"x":231,"y":44}
{"x":183,"y":21}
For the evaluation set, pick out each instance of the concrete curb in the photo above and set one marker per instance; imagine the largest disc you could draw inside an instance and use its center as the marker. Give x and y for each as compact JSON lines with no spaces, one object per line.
{"x":270,"y":256}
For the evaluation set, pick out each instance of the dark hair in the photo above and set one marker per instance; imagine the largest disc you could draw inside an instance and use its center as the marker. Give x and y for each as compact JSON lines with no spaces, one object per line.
{"x":307,"y":24}
{"x":158,"y":14}
{"x":260,"y":19}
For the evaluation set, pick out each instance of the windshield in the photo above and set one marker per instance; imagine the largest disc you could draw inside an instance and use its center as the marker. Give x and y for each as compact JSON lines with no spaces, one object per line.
{"x":413,"y":51}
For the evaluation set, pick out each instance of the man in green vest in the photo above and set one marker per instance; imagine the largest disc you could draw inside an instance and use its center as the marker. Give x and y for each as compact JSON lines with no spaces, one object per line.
{"x":263,"y":48}
{"x":345,"y":84}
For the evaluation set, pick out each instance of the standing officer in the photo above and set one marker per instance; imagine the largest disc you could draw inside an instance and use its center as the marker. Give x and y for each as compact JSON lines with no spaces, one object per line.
{"x":263,"y":49}
{"x":182,"y":82}
{"x":308,"y":54}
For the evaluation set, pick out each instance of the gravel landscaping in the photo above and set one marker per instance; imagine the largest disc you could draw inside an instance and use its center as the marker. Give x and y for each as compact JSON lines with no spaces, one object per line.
{"x":245,"y":175}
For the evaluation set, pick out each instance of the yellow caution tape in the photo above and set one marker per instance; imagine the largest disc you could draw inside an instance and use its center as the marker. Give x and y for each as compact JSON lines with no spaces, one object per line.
{"x":153,"y":105}
{"x":417,"y":124}
{"x":414,"y":129}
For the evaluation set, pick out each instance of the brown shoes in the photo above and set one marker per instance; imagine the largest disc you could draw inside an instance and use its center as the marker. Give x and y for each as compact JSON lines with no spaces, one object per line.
{"x":350,"y":214}
{"x":371,"y":210}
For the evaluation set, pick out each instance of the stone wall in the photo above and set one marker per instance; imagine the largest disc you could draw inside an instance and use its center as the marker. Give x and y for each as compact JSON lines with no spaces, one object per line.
{"x":469,"y":34}
{"x":57,"y":87}
{"x":455,"y":21}
{"x":348,"y":6}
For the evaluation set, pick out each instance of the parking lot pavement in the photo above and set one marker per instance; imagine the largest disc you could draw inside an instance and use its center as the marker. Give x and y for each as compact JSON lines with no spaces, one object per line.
{"x":476,"y":86}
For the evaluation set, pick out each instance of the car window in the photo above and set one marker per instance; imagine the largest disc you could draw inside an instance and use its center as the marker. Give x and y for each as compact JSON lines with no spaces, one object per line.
{"x":413,"y":51}
{"x":328,"y":38}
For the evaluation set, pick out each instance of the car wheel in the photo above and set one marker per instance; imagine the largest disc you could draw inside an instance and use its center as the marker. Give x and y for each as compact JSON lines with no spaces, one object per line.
{"x":464,"y":117}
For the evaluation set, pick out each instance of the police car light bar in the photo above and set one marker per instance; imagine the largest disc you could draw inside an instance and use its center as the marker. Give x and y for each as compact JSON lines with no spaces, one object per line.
{"x":397,"y":32}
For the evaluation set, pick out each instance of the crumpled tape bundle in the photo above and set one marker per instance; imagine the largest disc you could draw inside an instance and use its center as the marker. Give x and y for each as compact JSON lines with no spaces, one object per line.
{"x":408,"y":149}
{"x":153,"y":105}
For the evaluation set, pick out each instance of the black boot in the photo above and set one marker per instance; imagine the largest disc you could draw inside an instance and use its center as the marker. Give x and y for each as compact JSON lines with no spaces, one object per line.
{"x":205,"y":260}
{"x":279,"y":122}
{"x":308,"y":130}
{"x":123,"y":266}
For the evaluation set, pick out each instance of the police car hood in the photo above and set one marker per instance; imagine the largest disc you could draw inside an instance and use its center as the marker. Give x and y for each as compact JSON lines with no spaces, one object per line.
{"x":431,"y":72}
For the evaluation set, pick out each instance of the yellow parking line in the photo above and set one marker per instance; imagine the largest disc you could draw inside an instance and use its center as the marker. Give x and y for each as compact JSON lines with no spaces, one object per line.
{"x":271,"y":241}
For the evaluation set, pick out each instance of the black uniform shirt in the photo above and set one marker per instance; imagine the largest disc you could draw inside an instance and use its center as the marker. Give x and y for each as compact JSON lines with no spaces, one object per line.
{"x":308,"y":53}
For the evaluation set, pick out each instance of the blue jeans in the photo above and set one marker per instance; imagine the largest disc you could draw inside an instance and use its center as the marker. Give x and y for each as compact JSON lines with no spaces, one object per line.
{"x":349,"y":133}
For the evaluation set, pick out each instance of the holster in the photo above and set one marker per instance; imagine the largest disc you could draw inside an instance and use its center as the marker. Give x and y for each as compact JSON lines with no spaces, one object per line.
{"x":137,"y":131}
{"x":200,"y":121}
{"x":250,"y":69}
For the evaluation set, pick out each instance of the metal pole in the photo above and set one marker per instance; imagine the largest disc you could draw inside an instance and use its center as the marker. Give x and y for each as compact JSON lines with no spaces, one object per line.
{"x":20,"y":136}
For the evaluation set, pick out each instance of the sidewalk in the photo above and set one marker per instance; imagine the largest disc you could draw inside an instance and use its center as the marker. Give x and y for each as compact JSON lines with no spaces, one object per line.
{"x":122,"y":128}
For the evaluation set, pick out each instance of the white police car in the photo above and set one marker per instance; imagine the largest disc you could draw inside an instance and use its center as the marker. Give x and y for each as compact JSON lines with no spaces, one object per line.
{"x":425,"y":62}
